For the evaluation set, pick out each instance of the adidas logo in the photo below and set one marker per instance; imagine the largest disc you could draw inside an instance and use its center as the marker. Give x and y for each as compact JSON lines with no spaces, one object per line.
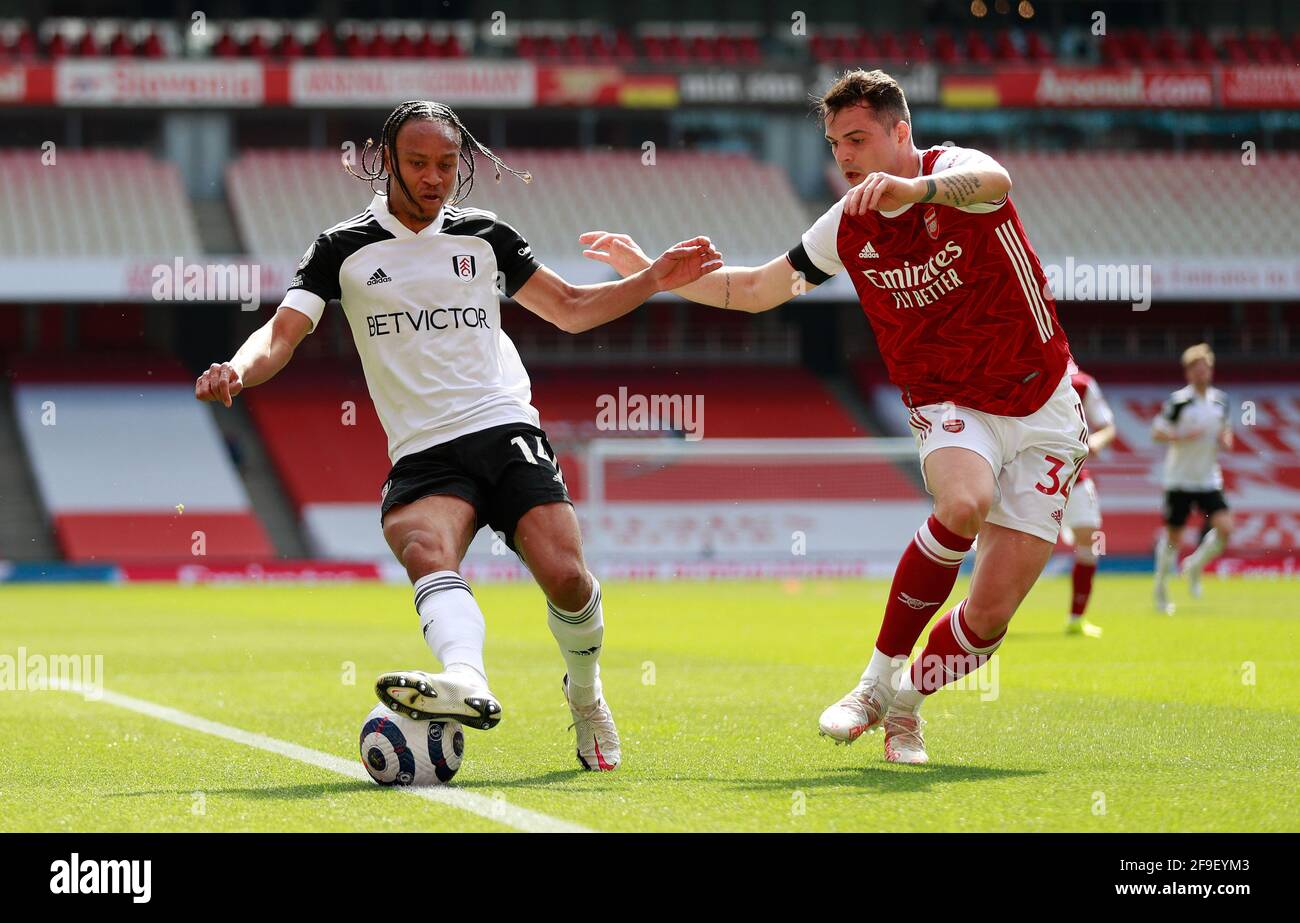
{"x":868,"y":253}
{"x":379,"y":276}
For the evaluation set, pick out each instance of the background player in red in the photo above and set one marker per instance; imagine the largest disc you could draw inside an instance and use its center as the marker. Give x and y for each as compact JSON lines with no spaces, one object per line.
{"x":1082,"y":527}
{"x":967,"y":329}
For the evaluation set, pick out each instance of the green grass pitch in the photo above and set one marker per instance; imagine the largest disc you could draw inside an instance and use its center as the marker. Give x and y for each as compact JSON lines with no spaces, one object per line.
{"x":1164,"y":724}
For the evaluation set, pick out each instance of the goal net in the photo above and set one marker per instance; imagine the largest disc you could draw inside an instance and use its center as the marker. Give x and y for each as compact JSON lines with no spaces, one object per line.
{"x":778,"y":501}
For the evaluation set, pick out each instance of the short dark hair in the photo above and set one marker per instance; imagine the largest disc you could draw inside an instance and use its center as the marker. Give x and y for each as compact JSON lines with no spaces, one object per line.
{"x":874,"y":89}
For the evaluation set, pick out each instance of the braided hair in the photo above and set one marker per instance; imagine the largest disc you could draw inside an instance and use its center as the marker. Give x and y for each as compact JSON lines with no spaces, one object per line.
{"x":425,"y":110}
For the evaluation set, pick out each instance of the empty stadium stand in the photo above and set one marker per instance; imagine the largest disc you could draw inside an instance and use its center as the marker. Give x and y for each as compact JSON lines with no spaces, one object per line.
{"x":96,"y":203}
{"x":749,"y":208}
{"x":129,"y":467}
{"x":1132,"y":207}
{"x":671,"y":44}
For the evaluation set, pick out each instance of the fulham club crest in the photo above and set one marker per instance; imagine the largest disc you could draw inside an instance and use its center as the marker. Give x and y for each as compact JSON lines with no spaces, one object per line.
{"x":462,"y":264}
{"x":931,"y":222}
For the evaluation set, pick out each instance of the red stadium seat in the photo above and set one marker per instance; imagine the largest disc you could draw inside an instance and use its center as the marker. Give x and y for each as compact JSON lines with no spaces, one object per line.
{"x":1169,"y":49}
{"x":945,"y":48}
{"x":915,"y":48}
{"x":289,"y":47}
{"x":120,"y":46}
{"x":1038,"y":48}
{"x":323,"y":46}
{"x":701,"y":50}
{"x":977,"y":49}
{"x":226,"y":46}
{"x":137,"y":537}
{"x":354,"y":47}
{"x":889,"y":49}
{"x":1201,"y":50}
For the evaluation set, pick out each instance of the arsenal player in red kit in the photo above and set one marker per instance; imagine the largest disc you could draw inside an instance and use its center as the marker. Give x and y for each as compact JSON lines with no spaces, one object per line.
{"x":968,"y":332}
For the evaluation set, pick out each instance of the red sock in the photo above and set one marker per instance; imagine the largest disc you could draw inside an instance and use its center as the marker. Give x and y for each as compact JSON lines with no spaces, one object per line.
{"x":951,"y":651}
{"x":922,"y":582}
{"x":1082,"y":586}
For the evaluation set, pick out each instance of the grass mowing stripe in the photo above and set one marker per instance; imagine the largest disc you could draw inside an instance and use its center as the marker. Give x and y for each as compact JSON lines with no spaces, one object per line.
{"x":494,"y":809}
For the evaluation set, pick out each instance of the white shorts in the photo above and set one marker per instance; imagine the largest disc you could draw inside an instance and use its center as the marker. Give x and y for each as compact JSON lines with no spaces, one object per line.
{"x":1082,"y":510}
{"x":1035,"y":459}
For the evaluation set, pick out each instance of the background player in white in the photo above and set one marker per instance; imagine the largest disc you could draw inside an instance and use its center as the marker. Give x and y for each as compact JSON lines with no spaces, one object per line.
{"x":1083,"y":509}
{"x":1194,"y":423}
{"x":968,"y":331}
{"x":416,"y":279}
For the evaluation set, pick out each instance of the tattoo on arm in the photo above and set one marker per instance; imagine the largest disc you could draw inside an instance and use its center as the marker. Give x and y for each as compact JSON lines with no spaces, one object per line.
{"x":960,"y":188}
{"x":929,"y":190}
{"x":726,"y":299}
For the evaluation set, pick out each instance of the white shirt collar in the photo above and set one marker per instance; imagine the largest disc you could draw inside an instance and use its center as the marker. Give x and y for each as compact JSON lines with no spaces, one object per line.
{"x":388,"y":221}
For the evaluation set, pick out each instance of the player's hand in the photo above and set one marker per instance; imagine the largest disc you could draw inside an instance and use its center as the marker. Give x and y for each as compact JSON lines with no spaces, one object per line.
{"x":882,"y":192}
{"x":219,"y":383}
{"x":1094,"y":446}
{"x":617,"y":250}
{"x":684,"y":263}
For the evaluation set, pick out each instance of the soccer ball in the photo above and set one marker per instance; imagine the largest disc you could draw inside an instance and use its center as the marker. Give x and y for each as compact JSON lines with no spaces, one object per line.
{"x":397,"y":750}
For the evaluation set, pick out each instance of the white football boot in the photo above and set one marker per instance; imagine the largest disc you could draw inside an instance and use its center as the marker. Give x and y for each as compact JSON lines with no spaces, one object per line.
{"x":903,"y":740}
{"x":1163,"y":602}
{"x":598,"y":744}
{"x":438,"y":696}
{"x":856,"y":713}
{"x":1192,"y":572}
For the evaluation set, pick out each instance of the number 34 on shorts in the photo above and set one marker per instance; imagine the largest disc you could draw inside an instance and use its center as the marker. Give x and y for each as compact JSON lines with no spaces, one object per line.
{"x":1035,"y":459}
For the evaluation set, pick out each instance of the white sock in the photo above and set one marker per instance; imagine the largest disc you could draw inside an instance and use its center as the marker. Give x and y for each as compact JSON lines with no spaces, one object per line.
{"x":885,"y":670}
{"x":1210,"y":548}
{"x":580,"y":636}
{"x":908,"y":700}
{"x":1166,"y":556}
{"x":451,"y":621}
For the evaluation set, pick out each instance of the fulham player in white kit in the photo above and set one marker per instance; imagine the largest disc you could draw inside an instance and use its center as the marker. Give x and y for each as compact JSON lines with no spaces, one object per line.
{"x":1083,"y":509}
{"x":416,"y":275}
{"x":967,"y":329}
{"x":1194,"y":422}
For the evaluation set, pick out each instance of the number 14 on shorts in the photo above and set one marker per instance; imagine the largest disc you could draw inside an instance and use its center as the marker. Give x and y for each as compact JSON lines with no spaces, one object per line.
{"x":532,"y":458}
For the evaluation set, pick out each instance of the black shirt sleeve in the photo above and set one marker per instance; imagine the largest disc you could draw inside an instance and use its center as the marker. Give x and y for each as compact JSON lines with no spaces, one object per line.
{"x":318,"y":270}
{"x":515,"y":260}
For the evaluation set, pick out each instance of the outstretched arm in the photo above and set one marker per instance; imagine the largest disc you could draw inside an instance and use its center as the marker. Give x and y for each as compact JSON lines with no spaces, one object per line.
{"x":736,"y":288}
{"x":577,"y":308}
{"x":264,"y":353}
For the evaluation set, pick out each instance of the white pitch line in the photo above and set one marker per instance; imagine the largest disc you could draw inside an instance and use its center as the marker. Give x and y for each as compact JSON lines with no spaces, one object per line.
{"x":494,"y":809}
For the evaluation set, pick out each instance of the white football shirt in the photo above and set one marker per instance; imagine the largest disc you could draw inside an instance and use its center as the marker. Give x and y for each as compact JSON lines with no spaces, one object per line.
{"x":1194,"y":465}
{"x":426,"y":318}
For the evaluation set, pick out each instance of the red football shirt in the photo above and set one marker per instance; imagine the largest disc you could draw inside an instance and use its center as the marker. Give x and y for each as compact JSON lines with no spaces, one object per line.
{"x":956,"y":296}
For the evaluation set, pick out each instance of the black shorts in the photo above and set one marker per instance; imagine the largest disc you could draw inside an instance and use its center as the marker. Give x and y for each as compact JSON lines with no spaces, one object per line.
{"x":503,"y":472}
{"x":1179,"y":503}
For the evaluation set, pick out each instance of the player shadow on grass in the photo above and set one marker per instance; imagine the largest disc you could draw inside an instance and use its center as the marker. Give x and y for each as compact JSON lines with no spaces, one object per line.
{"x":884,"y":777}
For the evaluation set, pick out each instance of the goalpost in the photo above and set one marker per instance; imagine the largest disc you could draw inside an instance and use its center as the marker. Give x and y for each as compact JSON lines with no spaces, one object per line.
{"x":772,"y":502}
